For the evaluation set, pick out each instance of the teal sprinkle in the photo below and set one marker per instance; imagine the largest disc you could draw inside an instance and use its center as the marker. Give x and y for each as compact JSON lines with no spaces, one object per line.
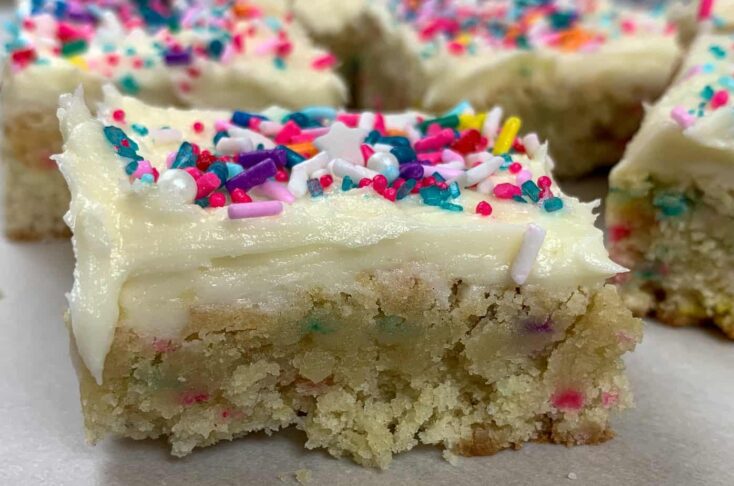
{"x":454,"y":208}
{"x":717,"y":51}
{"x":450,"y":121}
{"x":203,"y":202}
{"x":395,"y":141}
{"x":233,"y":170}
{"x":348,"y":184}
{"x":461,"y":107}
{"x":519,"y":199}
{"x":215,"y":48}
{"x":405,"y":189}
{"x":279,"y":63}
{"x":129,"y":85}
{"x":670,"y":204}
{"x":403,"y":154}
{"x":131,"y":167}
{"x":139,"y":129}
{"x":128,"y":153}
{"x":320,"y":113}
{"x":130,"y":51}
{"x":438,"y":177}
{"x":219,"y":135}
{"x":707,"y":68}
{"x":433,"y":196}
{"x":372,"y":137}
{"x":185,"y":157}
{"x":221,"y":170}
{"x":707,"y":92}
{"x":454,"y":190}
{"x":149,"y":63}
{"x":147,"y":178}
{"x":292,"y":157}
{"x":553,"y":204}
{"x":108,"y":48}
{"x":316,"y":326}
{"x":274,"y":23}
{"x":531,"y":190}
{"x":727,"y":82}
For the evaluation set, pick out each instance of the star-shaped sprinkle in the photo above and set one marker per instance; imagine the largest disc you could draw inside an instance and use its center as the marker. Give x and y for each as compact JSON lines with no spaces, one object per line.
{"x":343,"y":142}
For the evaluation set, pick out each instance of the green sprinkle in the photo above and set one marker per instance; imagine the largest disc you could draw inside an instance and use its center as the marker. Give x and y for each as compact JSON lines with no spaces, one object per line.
{"x":73,"y":48}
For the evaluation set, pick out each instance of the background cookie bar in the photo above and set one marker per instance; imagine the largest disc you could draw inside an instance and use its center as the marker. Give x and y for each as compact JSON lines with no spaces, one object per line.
{"x":378,"y":281}
{"x":669,"y":209}
{"x":233,"y":55}
{"x":576,"y":72}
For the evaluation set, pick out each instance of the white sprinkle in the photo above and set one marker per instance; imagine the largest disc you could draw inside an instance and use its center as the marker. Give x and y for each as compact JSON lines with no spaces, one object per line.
{"x":531,"y":143}
{"x":232,"y":145}
{"x":342,"y":168}
{"x":366,"y":120}
{"x":382,"y":147}
{"x":318,"y":174}
{"x":492,"y":122}
{"x":318,"y":161}
{"x":298,"y":183}
{"x":572,"y":476}
{"x":486,"y":186}
{"x":532,"y":240}
{"x":270,"y":128}
{"x":166,"y":135}
{"x":482,"y":171}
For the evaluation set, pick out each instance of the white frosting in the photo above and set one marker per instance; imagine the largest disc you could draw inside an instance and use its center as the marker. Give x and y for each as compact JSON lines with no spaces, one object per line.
{"x":248,"y":79}
{"x":703,"y":151}
{"x":152,"y":258}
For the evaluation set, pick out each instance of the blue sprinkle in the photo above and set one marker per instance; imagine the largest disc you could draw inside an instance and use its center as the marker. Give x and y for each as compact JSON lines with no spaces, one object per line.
{"x":233,"y":170}
{"x":323,"y":113}
{"x":454,"y":190}
{"x":314,"y":187}
{"x":147,"y":178}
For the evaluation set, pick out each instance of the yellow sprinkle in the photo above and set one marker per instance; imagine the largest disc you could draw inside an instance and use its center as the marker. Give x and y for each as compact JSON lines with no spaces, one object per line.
{"x":464,"y":39}
{"x":468,"y":122}
{"x":79,"y":62}
{"x":507,"y":135}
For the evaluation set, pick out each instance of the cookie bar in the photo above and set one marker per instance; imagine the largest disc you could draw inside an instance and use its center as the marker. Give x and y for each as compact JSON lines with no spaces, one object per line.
{"x":377,"y":280}
{"x":233,"y":55}
{"x":670,"y":208}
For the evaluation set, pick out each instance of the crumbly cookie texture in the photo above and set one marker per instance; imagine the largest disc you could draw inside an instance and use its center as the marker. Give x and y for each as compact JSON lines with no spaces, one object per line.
{"x":379,"y":280}
{"x":670,"y":211}
{"x":577,"y":73}
{"x":377,"y":369}
{"x":234,"y":55}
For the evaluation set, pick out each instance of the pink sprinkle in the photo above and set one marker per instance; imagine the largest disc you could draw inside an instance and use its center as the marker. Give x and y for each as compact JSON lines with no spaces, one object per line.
{"x":571,"y":400}
{"x":194,"y":172}
{"x":380,"y":123}
{"x":719,"y":99}
{"x":608,"y":399}
{"x":144,"y":167}
{"x":254,"y":209}
{"x":349,"y":119}
{"x":162,"y":345}
{"x":192,"y":397}
{"x":221,"y":125}
{"x":275,"y":190}
{"x":523,"y":176}
{"x":445,"y":172}
{"x":170,"y":158}
{"x":367,"y":152}
{"x":206,"y":184}
{"x":505,"y":190}
{"x":682,"y":117}
{"x":266,"y":47}
{"x":433,"y":142}
{"x":326,"y":61}
{"x":286,"y":133}
{"x":704,"y":9}
{"x":432,"y":157}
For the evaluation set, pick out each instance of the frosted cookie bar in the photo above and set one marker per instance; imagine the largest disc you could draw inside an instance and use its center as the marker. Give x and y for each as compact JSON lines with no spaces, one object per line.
{"x":377,"y":280}
{"x":669,"y":208}
{"x":576,"y":72}
{"x":231,"y":55}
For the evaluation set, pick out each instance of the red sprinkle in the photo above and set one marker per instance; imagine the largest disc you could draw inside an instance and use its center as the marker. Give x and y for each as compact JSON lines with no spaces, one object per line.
{"x":390,"y":194}
{"x":544,"y":182}
{"x":217,"y":200}
{"x":515,"y":167}
{"x":484,"y":208}
{"x":327,"y":61}
{"x":240,"y":196}
{"x":506,"y":190}
{"x":326,"y":180}
{"x":204,"y":160}
{"x":379,"y":183}
{"x":119,"y":116}
{"x":570,"y":400}
{"x":719,"y":99}
{"x":364,"y":182}
{"x":198,"y":127}
{"x":518,"y":146}
{"x":281,"y":175}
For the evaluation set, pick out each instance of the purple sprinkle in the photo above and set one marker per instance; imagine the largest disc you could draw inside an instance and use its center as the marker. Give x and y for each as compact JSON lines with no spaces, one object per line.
{"x":539,"y":327}
{"x":177,"y":57}
{"x":248,"y":159}
{"x":411,"y":170}
{"x":254,"y":176}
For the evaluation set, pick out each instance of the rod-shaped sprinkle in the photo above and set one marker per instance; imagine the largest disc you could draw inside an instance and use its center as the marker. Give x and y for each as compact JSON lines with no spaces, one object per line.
{"x":254,"y":209}
{"x":254,"y":176}
{"x":532,"y":240}
{"x":504,"y":140}
{"x":275,"y":190}
{"x":249,"y":159}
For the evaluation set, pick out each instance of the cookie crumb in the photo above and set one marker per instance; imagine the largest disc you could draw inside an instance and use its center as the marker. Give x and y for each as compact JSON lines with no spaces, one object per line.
{"x":304,"y":476}
{"x":572,"y":476}
{"x":450,"y":457}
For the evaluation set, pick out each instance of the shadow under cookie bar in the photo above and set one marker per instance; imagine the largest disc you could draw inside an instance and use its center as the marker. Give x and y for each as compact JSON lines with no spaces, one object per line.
{"x":396,"y":358}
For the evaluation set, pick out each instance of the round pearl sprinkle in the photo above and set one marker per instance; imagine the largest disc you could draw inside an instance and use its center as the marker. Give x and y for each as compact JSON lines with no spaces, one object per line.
{"x":178,"y":186}
{"x":254,"y":209}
